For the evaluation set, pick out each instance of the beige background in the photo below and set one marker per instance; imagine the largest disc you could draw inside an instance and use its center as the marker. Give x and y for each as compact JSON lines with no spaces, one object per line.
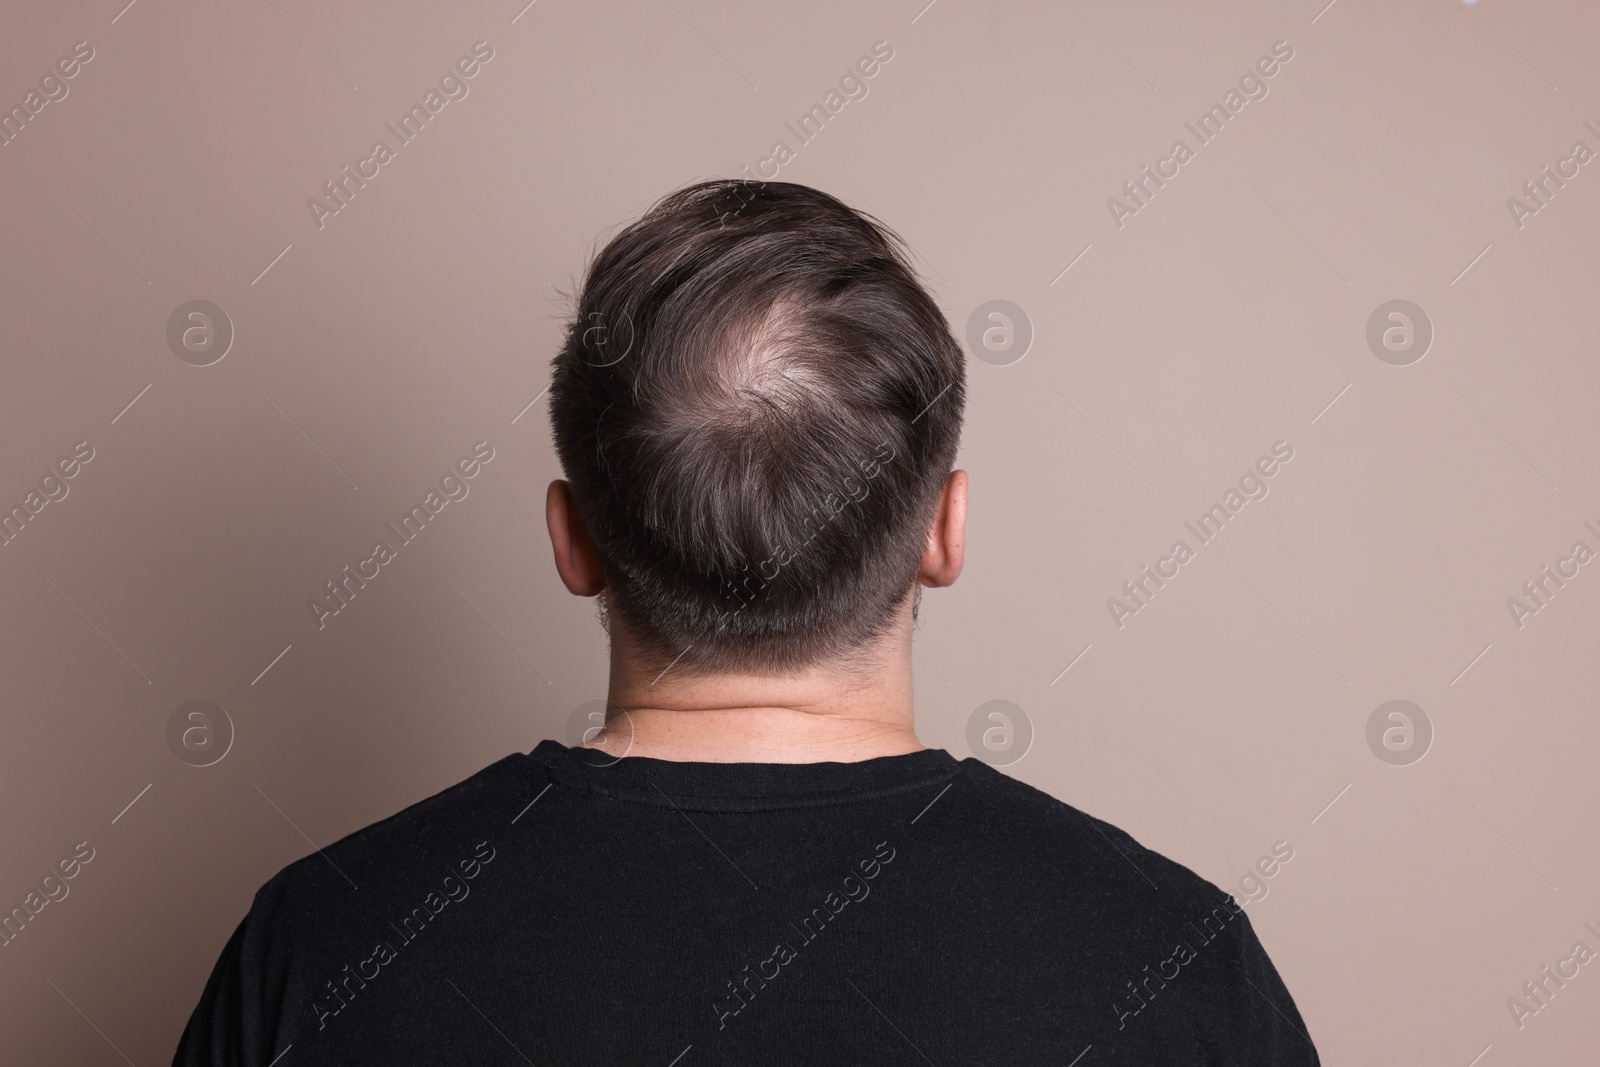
{"x":1226,"y":315}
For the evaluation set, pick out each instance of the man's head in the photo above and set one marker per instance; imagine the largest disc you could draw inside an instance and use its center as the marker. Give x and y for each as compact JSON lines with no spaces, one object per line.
{"x":757,"y":406}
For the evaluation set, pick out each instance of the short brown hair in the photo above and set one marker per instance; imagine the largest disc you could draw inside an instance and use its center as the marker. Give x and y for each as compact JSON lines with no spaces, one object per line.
{"x":757,"y":405}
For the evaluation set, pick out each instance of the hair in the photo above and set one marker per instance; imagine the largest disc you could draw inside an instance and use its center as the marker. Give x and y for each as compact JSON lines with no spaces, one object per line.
{"x":757,"y":405}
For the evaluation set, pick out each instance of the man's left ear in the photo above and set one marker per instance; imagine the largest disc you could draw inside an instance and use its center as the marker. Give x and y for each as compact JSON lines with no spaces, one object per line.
{"x":947,"y":537}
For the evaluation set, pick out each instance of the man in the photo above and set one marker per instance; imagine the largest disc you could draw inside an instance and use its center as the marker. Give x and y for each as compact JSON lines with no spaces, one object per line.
{"x":757,"y":407}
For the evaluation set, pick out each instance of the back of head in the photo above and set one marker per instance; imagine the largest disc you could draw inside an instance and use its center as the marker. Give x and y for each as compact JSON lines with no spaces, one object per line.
{"x":757,"y":405}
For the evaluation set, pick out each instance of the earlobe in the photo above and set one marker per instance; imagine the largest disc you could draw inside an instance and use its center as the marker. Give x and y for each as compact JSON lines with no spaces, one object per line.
{"x":575,"y":556}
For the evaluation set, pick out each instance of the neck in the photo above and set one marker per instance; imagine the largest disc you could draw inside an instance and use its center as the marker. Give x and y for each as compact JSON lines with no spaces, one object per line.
{"x":817,"y":714}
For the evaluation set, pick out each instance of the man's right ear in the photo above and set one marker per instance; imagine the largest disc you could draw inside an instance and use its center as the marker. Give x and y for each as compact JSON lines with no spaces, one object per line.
{"x":576,"y":559}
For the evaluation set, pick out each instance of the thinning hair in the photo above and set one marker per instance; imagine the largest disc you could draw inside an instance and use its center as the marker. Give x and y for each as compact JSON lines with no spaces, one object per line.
{"x":757,"y":405}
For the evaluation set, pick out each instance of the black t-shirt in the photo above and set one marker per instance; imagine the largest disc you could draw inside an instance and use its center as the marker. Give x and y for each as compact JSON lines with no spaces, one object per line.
{"x":566,"y":907}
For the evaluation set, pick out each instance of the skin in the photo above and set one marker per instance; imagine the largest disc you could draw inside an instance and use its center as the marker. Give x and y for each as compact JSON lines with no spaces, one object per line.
{"x":826,"y":712}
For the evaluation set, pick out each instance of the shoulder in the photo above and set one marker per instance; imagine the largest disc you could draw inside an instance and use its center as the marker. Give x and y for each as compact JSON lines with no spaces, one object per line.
{"x":423,"y":838}
{"x":1100,"y":859}
{"x":319,"y":916}
{"x":1138,"y":927}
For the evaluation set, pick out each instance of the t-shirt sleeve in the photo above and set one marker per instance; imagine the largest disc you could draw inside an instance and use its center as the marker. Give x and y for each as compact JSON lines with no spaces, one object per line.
{"x":212,"y":1035}
{"x":1263,"y":1027}
{"x":235,"y":1022}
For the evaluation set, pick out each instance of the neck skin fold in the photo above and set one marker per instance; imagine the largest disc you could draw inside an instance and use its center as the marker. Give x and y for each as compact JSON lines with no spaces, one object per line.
{"x":818,"y":714}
